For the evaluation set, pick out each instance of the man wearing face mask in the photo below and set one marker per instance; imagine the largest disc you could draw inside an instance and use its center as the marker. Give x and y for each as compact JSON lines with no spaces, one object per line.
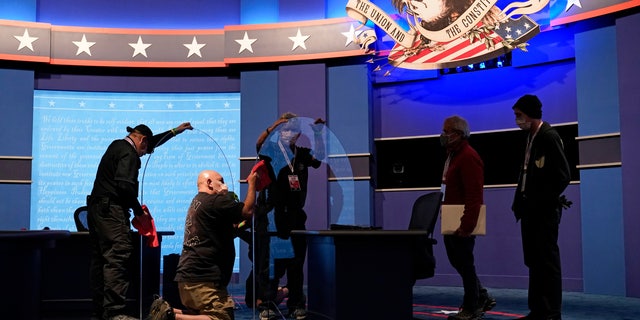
{"x":463,"y":183}
{"x":208,"y":251}
{"x":115,"y":192}
{"x":543,"y":177}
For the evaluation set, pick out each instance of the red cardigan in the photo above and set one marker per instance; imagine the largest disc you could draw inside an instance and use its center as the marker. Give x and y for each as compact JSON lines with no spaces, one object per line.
{"x":464,"y":183}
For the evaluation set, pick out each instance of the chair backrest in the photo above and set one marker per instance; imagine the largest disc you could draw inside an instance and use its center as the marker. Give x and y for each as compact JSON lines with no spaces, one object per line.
{"x":425,"y":212}
{"x":80,"y":218}
{"x":423,"y":217}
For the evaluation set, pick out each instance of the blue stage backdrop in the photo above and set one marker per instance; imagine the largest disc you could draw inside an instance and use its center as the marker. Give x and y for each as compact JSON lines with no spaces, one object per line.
{"x":73,"y":129}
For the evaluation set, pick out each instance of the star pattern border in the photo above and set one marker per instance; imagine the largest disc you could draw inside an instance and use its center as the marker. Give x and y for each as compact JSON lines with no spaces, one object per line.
{"x":63,"y":45}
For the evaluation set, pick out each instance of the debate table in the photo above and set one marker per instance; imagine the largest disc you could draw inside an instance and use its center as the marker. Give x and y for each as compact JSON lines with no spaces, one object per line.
{"x":20,"y":267}
{"x":65,"y":275}
{"x":360,"y":274}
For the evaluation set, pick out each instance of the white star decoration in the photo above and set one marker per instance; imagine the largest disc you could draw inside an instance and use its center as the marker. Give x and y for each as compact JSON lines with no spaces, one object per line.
{"x":112,"y":105}
{"x":198,"y":105}
{"x":245,"y":43}
{"x":571,"y":3}
{"x":170,"y":105}
{"x":351,"y":35}
{"x":194,"y":47}
{"x":140,"y":105}
{"x":140,"y":47}
{"x":52,"y":103}
{"x":298,"y":40}
{"x":26,"y":40}
{"x":83,"y":46}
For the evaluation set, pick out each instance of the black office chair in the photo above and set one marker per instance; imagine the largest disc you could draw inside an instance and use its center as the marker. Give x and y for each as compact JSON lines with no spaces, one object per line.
{"x":424,"y":216}
{"x":80,"y":218}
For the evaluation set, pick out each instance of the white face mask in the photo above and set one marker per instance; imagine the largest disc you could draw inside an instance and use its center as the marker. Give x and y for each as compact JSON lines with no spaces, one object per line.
{"x":288,"y":135}
{"x":523,"y":124}
{"x":224,"y":189}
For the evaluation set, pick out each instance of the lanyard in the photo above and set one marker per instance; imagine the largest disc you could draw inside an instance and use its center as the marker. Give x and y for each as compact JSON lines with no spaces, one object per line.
{"x":286,"y":155}
{"x":527,"y":155}
{"x":443,"y":186}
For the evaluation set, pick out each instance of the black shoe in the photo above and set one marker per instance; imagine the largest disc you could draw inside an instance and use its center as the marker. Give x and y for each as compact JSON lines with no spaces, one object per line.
{"x":268,"y":314}
{"x":487,"y":303}
{"x":161,"y":310}
{"x":467,"y":314}
{"x":298,"y":314}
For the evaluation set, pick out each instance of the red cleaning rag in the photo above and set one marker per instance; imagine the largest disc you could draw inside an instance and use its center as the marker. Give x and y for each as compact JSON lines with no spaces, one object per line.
{"x":146,"y":227}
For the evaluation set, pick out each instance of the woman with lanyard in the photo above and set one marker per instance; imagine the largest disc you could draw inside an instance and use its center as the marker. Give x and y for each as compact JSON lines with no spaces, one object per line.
{"x":288,"y":195}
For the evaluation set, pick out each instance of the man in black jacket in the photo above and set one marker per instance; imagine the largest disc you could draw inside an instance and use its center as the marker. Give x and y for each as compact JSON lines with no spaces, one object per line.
{"x":115,"y":192}
{"x":544,"y":175}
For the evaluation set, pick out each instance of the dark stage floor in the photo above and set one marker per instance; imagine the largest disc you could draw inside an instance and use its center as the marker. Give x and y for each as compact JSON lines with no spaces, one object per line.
{"x":437,"y":302}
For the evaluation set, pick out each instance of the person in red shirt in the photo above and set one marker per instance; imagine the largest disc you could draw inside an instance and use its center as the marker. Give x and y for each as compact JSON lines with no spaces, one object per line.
{"x":463,"y":183}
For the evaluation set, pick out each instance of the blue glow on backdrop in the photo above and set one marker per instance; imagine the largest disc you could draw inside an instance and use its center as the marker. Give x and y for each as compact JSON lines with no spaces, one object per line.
{"x":73,"y":129}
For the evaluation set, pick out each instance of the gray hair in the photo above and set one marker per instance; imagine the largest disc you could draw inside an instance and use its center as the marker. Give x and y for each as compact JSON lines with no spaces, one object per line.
{"x":288,"y":115}
{"x":459,"y":124}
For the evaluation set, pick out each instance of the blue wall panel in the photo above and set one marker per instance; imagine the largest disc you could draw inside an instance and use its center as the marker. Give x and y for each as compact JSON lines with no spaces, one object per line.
{"x":601,"y":189}
{"x":602,"y":231}
{"x":16,"y":102}
{"x":349,"y":117}
{"x":16,"y":121}
{"x":597,"y":81}
{"x":629,"y":70}
{"x":14,"y":206}
{"x":349,"y":97}
{"x":259,"y":101}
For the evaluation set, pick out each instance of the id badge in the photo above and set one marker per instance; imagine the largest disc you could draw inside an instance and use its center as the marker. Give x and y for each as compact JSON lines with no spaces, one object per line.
{"x":294,"y":182}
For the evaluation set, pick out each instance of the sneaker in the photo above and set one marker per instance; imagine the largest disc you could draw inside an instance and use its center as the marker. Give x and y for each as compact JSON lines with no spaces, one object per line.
{"x":298,"y":314}
{"x":268,"y":314}
{"x":466,"y":314}
{"x":487,"y":303}
{"x":161,"y":310}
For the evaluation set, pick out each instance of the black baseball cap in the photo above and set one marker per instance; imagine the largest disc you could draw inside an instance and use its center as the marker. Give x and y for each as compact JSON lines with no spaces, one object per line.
{"x":145,"y":131}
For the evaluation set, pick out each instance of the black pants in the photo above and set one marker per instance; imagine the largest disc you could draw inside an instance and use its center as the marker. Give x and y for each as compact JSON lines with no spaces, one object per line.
{"x":111,"y":248}
{"x":287,"y":219}
{"x":542,"y":257}
{"x":460,"y":254}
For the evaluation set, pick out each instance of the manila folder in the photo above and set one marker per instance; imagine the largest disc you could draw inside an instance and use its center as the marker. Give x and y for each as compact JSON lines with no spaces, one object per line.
{"x":450,"y":219}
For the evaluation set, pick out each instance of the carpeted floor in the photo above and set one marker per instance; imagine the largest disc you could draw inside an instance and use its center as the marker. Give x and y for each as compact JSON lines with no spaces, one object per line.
{"x":430,"y":303}
{"x":438,"y":302}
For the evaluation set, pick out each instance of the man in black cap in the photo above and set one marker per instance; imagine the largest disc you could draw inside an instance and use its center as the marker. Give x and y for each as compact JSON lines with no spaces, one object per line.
{"x":543,"y":177}
{"x":115,"y":192}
